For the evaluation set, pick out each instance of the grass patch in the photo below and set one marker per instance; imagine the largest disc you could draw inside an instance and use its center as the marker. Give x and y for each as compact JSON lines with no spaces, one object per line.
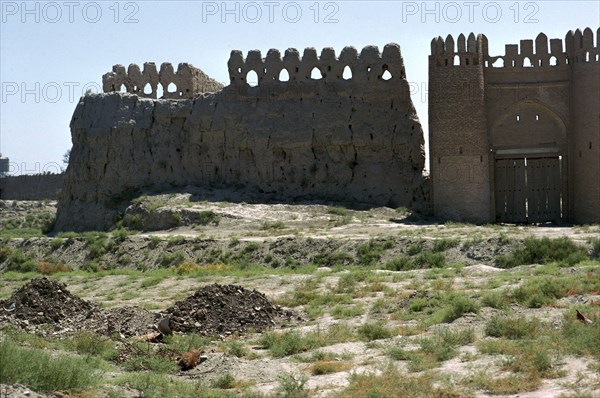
{"x":543,"y":251}
{"x":292,"y":386}
{"x":281,"y":344}
{"x":338,"y":210}
{"x":444,"y":244}
{"x":375,"y":331}
{"x":506,"y":385}
{"x":88,"y":343}
{"x":343,"y":311}
{"x":327,"y":367}
{"x":392,"y":383}
{"x":273,"y":225}
{"x":514,"y":328}
{"x":44,"y":372}
{"x":433,"y":350}
{"x":538,"y":291}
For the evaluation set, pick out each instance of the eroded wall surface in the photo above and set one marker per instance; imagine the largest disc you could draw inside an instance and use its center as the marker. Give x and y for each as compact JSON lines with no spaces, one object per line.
{"x":354,"y":139}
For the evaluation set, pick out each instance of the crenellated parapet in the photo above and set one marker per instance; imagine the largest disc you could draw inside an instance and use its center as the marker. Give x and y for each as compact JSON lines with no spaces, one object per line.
{"x":465,"y":52}
{"x":578,"y":47}
{"x":368,"y":65}
{"x":180,"y":84}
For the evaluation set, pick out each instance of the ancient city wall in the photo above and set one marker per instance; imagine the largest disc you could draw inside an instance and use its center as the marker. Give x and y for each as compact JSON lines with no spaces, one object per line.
{"x":31,"y":187}
{"x":183,"y":83}
{"x":328,"y":138}
{"x":540,"y":99}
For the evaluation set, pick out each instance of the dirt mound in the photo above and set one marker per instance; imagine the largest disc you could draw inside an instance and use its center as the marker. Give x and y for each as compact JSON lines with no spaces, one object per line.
{"x":44,"y":301}
{"x":225,"y":309}
{"x":126,"y":321}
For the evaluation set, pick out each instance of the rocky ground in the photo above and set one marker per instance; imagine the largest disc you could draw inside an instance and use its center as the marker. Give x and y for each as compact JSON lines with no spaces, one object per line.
{"x":261,"y":292}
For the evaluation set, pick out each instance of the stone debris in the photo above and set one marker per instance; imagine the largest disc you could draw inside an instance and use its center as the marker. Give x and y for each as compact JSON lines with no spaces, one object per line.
{"x":224,"y":310}
{"x":214,"y":310}
{"x":42,"y":301}
{"x":125,"y":321}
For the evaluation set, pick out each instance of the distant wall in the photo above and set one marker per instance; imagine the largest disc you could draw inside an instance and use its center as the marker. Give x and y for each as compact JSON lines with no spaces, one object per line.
{"x":326,"y":137}
{"x":31,"y":187}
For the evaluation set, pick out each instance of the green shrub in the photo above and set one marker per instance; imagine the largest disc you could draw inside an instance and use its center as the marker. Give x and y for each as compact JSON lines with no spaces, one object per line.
{"x":207,"y":217}
{"x":494,"y":299}
{"x":92,"y":344}
{"x":415,"y":248}
{"x":582,"y":338}
{"x":338,"y":211}
{"x":401,"y":264}
{"x":369,"y":252}
{"x":156,"y":385}
{"x":340,"y":311}
{"x":543,"y":251}
{"x":541,"y":291}
{"x":45,"y":372}
{"x":375,"y":331}
{"x":430,"y":260}
{"x":224,"y":382}
{"x":54,"y":244}
{"x":444,"y":244}
{"x":150,"y":361}
{"x":456,"y":306}
{"x":289,"y":343}
{"x":513,"y":328}
{"x":20,"y":262}
{"x":171,"y":259}
{"x":291,"y":386}
{"x":273,"y":225}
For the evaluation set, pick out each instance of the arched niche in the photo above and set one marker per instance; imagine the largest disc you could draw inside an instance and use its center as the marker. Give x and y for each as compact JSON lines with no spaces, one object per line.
{"x":528,"y":124}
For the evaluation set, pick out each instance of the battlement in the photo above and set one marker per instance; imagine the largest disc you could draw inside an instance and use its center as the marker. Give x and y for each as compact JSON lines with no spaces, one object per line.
{"x":369,"y":65}
{"x":578,"y":47}
{"x":184,"y":83}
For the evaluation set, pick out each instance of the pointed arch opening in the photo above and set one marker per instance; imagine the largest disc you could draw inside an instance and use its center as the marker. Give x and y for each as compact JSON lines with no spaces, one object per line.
{"x":527,"y":63}
{"x":284,"y":75}
{"x":252,"y":78}
{"x":347,"y":73}
{"x":553,"y":61}
{"x":316,"y":74}
{"x":386,"y":75}
{"x":171,"y":88}
{"x":147,"y":89}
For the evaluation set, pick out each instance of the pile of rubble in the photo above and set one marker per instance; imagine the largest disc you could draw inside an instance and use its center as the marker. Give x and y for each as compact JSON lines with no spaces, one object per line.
{"x":224,"y":310}
{"x":214,"y":310}
{"x":42,"y":301}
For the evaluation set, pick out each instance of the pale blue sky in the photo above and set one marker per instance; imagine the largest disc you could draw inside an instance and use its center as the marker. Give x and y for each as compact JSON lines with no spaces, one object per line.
{"x":51,"y":51}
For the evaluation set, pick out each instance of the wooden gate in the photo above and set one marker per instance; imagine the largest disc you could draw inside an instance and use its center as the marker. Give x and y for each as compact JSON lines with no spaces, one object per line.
{"x":528,"y":190}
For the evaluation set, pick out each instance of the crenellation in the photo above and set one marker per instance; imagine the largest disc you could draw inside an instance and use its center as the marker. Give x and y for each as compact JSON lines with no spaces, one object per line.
{"x":449,"y":44}
{"x":471,"y":44}
{"x":188,"y":81}
{"x":369,"y":65}
{"x":461,"y":44}
{"x":578,"y":47}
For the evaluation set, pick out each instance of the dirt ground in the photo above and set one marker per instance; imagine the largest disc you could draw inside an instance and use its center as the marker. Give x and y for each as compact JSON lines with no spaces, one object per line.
{"x":378,"y":295}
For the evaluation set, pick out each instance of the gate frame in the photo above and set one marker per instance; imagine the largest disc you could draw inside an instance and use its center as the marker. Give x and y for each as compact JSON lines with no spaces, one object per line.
{"x":531,"y":153}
